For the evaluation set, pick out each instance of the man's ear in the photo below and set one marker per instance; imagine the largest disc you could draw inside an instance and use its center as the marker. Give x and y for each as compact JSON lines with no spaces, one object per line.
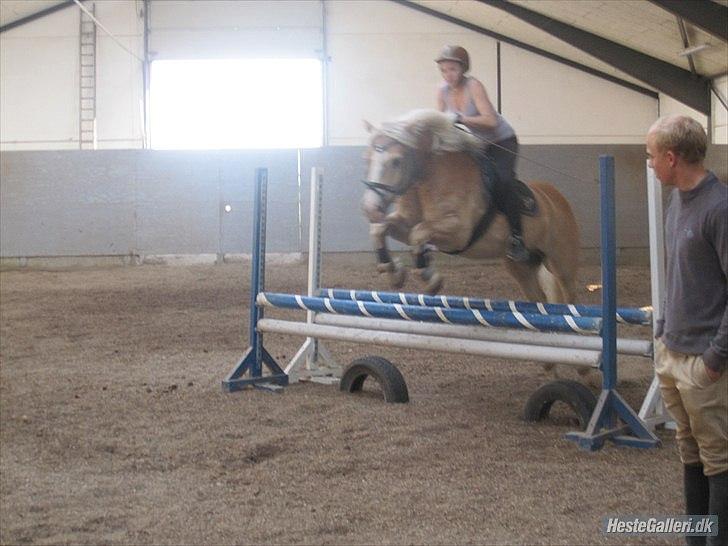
{"x":671,"y":157}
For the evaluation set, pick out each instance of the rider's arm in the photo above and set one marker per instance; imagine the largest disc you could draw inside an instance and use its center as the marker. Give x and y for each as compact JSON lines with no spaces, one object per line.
{"x":487,"y":118}
{"x":441,"y":106}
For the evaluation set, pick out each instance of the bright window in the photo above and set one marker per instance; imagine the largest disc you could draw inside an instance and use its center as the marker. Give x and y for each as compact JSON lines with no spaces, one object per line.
{"x":216,"y":104}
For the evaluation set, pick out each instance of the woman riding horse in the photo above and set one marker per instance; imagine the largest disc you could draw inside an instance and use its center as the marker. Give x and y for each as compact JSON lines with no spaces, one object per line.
{"x":466,"y":97}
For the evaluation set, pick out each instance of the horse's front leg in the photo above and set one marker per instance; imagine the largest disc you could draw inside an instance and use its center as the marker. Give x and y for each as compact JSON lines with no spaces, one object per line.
{"x":419,"y":240}
{"x":397,"y":273}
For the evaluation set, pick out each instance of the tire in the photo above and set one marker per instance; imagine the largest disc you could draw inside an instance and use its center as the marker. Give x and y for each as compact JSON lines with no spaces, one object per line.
{"x":393,"y":385}
{"x":575,"y":395}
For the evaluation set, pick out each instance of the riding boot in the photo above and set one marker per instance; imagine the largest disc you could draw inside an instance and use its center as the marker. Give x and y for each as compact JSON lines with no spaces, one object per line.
{"x":718,"y":506}
{"x":517,"y":250}
{"x":697,"y":495}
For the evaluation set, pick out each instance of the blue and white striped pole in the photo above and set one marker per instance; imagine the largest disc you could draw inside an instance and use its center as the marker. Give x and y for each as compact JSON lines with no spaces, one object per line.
{"x":626,"y":315}
{"x":506,"y":319}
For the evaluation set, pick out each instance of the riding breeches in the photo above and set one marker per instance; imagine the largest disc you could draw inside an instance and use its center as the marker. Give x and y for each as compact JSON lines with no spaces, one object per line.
{"x":502,"y":156}
{"x":698,"y":405}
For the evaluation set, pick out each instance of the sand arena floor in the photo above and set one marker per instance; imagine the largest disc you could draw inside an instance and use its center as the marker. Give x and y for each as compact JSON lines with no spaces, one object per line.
{"x":114,"y":428}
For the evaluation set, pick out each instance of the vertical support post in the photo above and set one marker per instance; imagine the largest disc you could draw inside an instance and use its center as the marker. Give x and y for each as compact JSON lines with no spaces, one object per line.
{"x":609,"y":273}
{"x":312,"y":353}
{"x":257,"y":274}
{"x":314,"y":256}
{"x":652,"y":410}
{"x":603,"y":424}
{"x":256,"y":355}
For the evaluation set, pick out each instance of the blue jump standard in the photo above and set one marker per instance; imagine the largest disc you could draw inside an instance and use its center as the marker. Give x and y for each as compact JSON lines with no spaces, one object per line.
{"x":251,"y":365}
{"x":611,"y":407}
{"x":504,"y":319}
{"x":627,"y":315}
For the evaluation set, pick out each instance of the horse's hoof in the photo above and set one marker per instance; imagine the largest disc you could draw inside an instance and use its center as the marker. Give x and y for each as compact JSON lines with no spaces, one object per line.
{"x":434,"y":284}
{"x":397,"y":276}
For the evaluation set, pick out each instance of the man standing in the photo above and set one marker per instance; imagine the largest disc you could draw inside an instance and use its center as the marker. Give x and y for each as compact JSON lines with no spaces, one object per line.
{"x":691,"y":349}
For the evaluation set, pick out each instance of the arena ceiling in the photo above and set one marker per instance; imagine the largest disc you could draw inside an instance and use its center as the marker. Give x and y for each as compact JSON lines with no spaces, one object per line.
{"x":672,"y":46}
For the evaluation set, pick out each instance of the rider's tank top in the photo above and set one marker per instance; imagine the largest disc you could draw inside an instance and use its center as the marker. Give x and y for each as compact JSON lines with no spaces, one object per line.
{"x":500,"y":132}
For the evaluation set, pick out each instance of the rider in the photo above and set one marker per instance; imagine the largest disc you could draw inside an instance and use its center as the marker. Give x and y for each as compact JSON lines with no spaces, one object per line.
{"x":465,"y":97}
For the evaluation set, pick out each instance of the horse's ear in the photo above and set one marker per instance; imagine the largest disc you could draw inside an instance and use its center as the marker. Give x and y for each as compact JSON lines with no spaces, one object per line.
{"x":368,"y":126}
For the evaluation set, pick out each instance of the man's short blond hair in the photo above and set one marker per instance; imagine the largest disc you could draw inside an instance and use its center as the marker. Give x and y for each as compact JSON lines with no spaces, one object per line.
{"x":682,"y":135}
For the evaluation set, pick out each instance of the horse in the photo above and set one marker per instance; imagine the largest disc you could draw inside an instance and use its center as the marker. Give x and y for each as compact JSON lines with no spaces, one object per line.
{"x":425,"y":188}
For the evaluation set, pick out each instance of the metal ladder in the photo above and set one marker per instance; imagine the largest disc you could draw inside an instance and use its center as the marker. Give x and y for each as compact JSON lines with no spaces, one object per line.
{"x":87,"y":83}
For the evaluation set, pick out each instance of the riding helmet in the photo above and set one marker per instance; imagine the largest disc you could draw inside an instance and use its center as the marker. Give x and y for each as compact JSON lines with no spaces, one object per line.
{"x":457,"y":54}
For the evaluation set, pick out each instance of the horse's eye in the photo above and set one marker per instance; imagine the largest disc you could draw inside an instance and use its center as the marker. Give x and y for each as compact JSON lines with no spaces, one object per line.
{"x":396,"y":162}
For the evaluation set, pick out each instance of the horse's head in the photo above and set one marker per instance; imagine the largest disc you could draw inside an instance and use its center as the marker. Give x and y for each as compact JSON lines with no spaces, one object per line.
{"x":394,"y":165}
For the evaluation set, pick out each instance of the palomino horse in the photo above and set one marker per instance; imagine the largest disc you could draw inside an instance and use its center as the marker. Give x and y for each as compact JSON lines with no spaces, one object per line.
{"x":424,"y":188}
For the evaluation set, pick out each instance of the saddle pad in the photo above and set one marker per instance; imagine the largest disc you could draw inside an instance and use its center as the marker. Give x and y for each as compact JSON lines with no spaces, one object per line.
{"x":529,"y":206}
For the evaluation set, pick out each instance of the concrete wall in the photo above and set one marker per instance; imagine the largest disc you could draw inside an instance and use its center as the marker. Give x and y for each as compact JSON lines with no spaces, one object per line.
{"x":141,"y":203}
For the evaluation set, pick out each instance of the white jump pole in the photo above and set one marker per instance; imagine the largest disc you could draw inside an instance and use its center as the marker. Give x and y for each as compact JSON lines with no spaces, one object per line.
{"x":636,"y":347}
{"x":575,"y":357}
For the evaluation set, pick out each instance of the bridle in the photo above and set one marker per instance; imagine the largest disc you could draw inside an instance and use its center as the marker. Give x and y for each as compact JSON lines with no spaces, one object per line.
{"x":384,"y":191}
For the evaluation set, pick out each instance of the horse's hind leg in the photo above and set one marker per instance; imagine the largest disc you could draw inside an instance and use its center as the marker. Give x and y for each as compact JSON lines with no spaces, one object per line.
{"x":560,"y":275}
{"x":526,"y":275}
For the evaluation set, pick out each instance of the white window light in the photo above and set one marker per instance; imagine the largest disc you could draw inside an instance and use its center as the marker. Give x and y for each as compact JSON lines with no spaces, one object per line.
{"x":236,"y":103}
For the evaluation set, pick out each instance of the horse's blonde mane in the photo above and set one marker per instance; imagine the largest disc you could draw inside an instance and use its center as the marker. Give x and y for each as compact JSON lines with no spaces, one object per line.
{"x":446,"y":137}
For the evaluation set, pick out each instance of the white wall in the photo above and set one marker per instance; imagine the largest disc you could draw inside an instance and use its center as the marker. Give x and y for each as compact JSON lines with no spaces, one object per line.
{"x":670,"y":106}
{"x":381,"y":65}
{"x":719,"y":113}
{"x":550,"y":103}
{"x":225,"y":29}
{"x":39,"y":78}
{"x":39,"y":84}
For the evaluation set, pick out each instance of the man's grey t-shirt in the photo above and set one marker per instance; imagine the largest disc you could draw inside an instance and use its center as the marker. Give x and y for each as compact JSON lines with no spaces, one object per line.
{"x":696,"y":302}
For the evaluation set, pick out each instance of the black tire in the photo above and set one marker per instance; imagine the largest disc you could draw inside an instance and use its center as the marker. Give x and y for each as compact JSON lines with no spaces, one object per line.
{"x":575,"y":395}
{"x":393,"y":385}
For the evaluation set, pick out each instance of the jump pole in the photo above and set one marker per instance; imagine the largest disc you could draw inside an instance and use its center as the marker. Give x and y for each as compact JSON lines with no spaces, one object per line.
{"x":604,"y":424}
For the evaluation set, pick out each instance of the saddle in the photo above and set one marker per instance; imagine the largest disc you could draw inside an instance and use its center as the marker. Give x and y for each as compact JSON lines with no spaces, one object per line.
{"x":488,"y":174}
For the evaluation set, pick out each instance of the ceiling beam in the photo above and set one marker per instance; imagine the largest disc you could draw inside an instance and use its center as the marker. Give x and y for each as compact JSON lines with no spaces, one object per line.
{"x":526,"y":47}
{"x":37,"y":15}
{"x":668,"y":78}
{"x":704,"y":14}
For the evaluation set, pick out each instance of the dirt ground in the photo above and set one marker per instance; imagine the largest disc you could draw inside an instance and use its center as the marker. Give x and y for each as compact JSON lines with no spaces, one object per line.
{"x":114,"y":428}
